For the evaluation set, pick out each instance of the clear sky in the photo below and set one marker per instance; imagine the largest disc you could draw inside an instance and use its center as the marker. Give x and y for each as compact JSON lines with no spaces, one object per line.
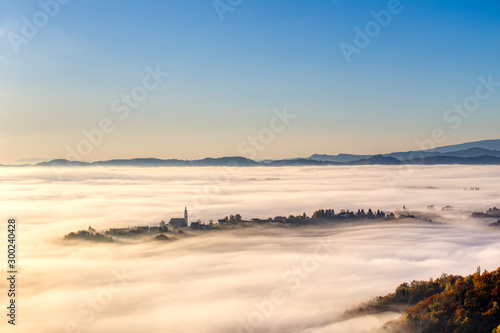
{"x":67,"y":67}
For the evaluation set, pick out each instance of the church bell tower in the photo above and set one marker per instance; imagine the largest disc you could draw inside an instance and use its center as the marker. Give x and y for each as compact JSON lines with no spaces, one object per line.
{"x":186,"y":216}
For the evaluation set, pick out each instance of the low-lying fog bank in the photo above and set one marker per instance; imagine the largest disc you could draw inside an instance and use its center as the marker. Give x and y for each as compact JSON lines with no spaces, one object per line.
{"x":277,"y":280}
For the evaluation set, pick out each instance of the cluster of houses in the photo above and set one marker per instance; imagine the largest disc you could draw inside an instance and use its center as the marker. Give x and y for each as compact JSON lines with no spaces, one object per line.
{"x":318,"y":216}
{"x":231,"y":221}
{"x":492,"y":212}
{"x":162,"y":227}
{"x":277,"y":219}
{"x":137,"y":230}
{"x":471,"y":188}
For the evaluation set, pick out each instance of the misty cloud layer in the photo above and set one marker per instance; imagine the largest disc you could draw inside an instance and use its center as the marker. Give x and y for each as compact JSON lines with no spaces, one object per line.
{"x":252,"y":280}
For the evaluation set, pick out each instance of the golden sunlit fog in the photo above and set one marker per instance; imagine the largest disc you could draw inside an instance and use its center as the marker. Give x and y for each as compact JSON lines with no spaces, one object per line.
{"x":260,"y":279}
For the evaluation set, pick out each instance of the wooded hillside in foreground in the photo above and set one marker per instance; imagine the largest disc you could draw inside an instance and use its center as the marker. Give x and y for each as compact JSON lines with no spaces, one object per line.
{"x":449,"y":304}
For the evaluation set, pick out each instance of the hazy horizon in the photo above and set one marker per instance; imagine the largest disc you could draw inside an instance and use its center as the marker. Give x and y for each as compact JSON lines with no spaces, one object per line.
{"x":421,"y":147}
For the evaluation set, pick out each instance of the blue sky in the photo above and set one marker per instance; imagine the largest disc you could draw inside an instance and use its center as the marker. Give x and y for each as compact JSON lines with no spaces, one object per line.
{"x":227,"y":76}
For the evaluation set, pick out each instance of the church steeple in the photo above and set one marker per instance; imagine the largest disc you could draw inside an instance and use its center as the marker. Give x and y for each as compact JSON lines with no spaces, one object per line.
{"x":186,"y":216}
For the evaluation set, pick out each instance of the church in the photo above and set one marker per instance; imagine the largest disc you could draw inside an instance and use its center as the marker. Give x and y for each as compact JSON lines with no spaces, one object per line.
{"x":180,"y":222}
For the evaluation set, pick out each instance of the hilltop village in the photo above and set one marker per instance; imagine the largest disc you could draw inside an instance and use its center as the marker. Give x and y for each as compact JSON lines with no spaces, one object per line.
{"x":234,"y":221}
{"x":180,"y":226}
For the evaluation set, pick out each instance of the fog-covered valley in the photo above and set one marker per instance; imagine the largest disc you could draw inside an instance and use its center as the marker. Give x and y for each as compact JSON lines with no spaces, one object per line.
{"x":246,"y":280}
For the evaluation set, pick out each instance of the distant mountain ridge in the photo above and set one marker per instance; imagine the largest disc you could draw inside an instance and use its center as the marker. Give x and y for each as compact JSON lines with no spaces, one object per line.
{"x":378,"y":159}
{"x":340,"y":158}
{"x":485,"y":152}
{"x":485,"y":144}
{"x":145,"y":162}
{"x":469,"y":149}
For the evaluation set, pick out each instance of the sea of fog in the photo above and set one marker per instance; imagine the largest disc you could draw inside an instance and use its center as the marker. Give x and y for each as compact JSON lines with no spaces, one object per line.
{"x":244,"y":280}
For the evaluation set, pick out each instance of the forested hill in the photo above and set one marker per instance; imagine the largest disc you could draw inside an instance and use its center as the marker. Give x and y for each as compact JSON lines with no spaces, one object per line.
{"x":448,"y":304}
